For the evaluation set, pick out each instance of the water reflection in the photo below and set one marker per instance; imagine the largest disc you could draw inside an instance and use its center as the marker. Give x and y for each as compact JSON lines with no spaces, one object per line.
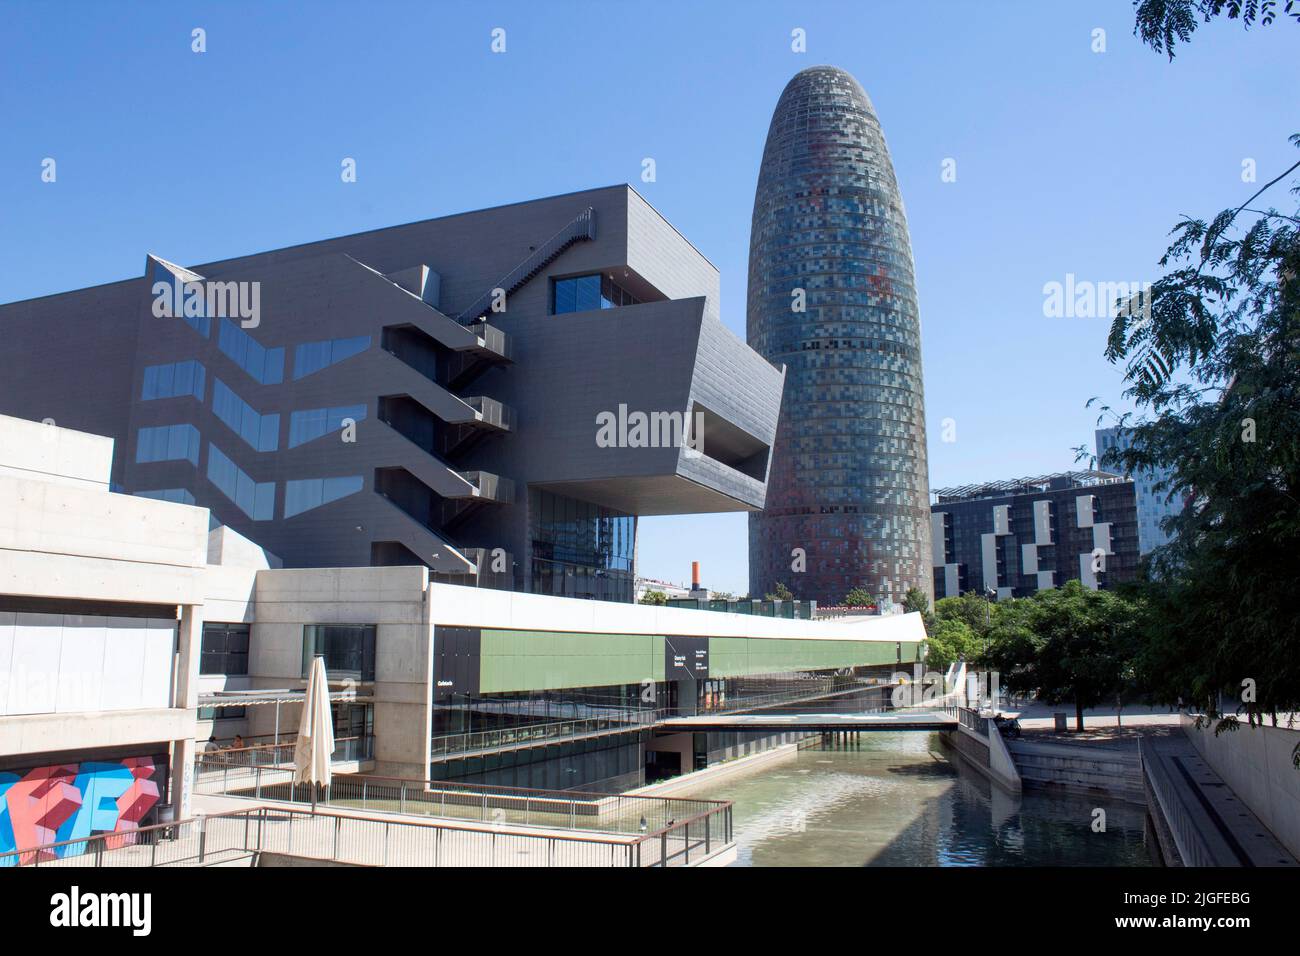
{"x":902,"y":799}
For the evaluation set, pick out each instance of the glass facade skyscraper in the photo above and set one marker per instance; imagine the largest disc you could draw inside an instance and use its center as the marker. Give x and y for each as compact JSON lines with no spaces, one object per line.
{"x":832,"y":296}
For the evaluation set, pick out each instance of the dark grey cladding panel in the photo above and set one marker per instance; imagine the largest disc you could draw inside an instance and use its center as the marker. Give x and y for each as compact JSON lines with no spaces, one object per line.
{"x":700,"y":469}
{"x":587,"y":363}
{"x":472,"y":250}
{"x":69,"y":358}
{"x":737,"y":383}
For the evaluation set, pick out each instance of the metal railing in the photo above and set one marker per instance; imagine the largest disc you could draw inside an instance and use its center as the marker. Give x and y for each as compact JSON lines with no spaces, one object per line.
{"x":1185,"y":833}
{"x":630,"y":719}
{"x":970,"y":719}
{"x":516,"y":806}
{"x":528,"y":734}
{"x":345,"y":748}
{"x":796,"y":696}
{"x":492,"y":412}
{"x":581,"y":227}
{"x":237,"y":838}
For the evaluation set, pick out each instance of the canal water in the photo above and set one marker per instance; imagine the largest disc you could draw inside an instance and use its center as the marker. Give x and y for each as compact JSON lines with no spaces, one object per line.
{"x":903,"y":799}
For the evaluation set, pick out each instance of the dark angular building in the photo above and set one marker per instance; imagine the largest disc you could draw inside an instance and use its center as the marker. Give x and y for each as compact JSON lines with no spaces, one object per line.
{"x":422,"y":394}
{"x":1015,"y":537}
{"x":832,"y":297}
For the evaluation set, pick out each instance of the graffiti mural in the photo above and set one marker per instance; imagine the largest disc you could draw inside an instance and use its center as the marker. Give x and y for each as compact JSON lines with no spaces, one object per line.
{"x":73,"y":801}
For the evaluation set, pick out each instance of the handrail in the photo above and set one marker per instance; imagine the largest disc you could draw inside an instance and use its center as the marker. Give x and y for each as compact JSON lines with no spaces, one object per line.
{"x":619,"y":721}
{"x":582,"y":227}
{"x":586,"y":796}
{"x":255,"y":839}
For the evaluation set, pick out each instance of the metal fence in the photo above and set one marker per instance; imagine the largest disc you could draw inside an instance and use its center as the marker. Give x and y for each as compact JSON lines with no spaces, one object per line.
{"x":269,"y":755}
{"x":1193,"y":849}
{"x":970,"y":719}
{"x":237,"y":838}
{"x":614,"y":722}
{"x":479,"y":803}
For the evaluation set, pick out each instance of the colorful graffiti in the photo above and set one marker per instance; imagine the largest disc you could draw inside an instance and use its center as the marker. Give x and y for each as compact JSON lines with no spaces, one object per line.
{"x":73,"y":801}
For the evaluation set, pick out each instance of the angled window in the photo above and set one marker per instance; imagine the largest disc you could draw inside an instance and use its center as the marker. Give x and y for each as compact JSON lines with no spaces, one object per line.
{"x":253,"y":499}
{"x":313,"y":356}
{"x":587,"y":293}
{"x":266,"y":366}
{"x":312,"y":423}
{"x":308,"y":493}
{"x":173,"y":381}
{"x":260,"y":432}
{"x":167,"y":443}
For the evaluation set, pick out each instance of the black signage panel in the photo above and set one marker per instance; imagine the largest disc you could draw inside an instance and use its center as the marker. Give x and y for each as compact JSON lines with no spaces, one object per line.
{"x":455,"y":660}
{"x":686,"y":658}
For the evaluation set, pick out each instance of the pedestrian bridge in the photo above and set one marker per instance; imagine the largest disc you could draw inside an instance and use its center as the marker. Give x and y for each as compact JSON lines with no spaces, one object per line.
{"x":926,"y":720}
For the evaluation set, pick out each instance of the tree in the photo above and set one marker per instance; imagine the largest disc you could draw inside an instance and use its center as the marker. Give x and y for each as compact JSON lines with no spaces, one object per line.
{"x":948,"y":641}
{"x":654,"y":597}
{"x":859,"y":597}
{"x":916,"y":601}
{"x":1163,"y":23}
{"x":976,"y":611}
{"x":1066,"y":644}
{"x":1217,"y":367}
{"x":782,"y":593}
{"x":721,"y":595}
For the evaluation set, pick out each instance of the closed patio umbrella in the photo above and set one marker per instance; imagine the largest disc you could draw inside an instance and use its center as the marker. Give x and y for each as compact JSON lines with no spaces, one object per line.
{"x":311,"y":754}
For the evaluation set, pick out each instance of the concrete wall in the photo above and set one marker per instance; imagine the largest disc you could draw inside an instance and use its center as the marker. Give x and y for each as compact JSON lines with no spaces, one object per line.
{"x":391,"y":598}
{"x":1079,"y":767}
{"x":79,"y":542}
{"x":40,"y":452}
{"x":1256,"y":763}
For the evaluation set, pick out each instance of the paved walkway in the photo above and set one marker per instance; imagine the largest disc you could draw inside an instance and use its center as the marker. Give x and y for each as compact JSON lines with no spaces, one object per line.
{"x":1099,"y":723}
{"x":1212,"y":827}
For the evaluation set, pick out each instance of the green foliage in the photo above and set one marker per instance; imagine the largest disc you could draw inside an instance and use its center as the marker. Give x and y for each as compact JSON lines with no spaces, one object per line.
{"x":781,"y":593}
{"x":1067,"y":644}
{"x":976,"y":612}
{"x":950,"y":640}
{"x":654,"y":597}
{"x":1217,"y":366}
{"x":859,"y":597}
{"x":1163,"y":23}
{"x":721,"y":595}
{"x":916,"y":600}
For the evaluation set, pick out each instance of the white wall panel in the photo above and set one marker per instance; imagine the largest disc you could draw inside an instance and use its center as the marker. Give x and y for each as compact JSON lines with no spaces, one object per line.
{"x":34,"y":677}
{"x":6,"y":656}
{"x":124,"y":663}
{"x":156,"y":684}
{"x":81,"y":664}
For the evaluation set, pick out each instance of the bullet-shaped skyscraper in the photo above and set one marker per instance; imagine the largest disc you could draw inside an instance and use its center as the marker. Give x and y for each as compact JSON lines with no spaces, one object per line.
{"x":832,"y":297}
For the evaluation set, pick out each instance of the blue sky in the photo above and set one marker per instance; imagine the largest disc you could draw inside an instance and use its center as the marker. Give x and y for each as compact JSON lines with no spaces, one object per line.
{"x":1068,"y":161}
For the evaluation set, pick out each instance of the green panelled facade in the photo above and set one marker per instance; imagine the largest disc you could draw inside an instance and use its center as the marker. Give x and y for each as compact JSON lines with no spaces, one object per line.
{"x":747,"y":656}
{"x":550,"y":660}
